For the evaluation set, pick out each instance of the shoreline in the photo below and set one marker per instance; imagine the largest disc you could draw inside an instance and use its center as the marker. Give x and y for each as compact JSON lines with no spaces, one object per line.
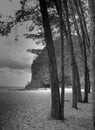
{"x":67,"y":90}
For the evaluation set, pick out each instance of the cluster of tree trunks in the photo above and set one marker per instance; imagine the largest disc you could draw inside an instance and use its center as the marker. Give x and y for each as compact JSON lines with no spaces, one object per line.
{"x":57,"y":106}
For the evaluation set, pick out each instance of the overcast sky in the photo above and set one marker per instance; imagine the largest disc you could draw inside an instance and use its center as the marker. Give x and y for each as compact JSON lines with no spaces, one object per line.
{"x":15,"y":62}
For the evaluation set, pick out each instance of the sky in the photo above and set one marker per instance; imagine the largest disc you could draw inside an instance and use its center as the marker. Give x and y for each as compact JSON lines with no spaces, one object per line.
{"x":15,"y":62}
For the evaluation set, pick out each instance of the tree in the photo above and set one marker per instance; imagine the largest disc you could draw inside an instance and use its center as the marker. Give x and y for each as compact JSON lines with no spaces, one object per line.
{"x":62,"y":61}
{"x":69,"y":41}
{"x":79,"y":40}
{"x":58,"y":5}
{"x":75,"y":74}
{"x":55,"y":95}
{"x":85,"y":43}
{"x":92,"y":14}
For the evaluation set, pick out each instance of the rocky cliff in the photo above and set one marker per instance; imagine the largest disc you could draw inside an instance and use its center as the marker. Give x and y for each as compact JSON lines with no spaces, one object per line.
{"x":40,"y":69}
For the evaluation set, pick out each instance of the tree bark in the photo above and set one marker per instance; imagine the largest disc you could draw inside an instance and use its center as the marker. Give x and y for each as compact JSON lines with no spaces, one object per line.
{"x":62,"y":62}
{"x":80,"y":44}
{"x":84,"y":41}
{"x":84,"y":24}
{"x":89,"y":85}
{"x":55,"y":95}
{"x":75,"y":74}
{"x":85,"y":74}
{"x":58,"y":5}
{"x":92,"y":13}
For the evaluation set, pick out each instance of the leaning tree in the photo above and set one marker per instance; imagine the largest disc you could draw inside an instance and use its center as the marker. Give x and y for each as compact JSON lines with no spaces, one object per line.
{"x":55,"y":95}
{"x":92,"y":14}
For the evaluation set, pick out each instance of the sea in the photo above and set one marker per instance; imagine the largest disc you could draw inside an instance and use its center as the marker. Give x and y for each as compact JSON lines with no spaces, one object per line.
{"x":11,"y":88}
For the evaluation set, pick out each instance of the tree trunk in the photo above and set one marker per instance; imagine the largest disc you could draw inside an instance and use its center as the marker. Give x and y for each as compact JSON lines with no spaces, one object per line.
{"x":92,"y":11}
{"x":63,"y":22}
{"x":58,"y":5}
{"x":55,"y":95}
{"x":85,"y":73}
{"x":89,"y":87}
{"x":75,"y":74}
{"x":84,"y":41}
{"x":84,"y":24}
{"x":80,"y":44}
{"x":74,"y":84}
{"x":79,"y":88}
{"x":62,"y":62}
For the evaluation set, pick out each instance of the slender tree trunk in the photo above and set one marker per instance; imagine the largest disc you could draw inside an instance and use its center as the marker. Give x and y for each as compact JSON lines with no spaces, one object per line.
{"x":84,"y":24}
{"x":74,"y":84}
{"x":92,"y":11}
{"x":86,"y":75}
{"x":89,"y":87}
{"x":80,"y":12}
{"x":62,"y":62}
{"x":83,"y":30}
{"x":58,"y":5}
{"x":63,"y":22}
{"x":75,"y":74}
{"x":87,"y":39}
{"x":80,"y":44}
{"x":79,"y":89}
{"x":55,"y":95}
{"x":76,"y":25}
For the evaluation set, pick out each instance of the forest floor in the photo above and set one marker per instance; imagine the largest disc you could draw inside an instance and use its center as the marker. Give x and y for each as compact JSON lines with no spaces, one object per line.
{"x":30,"y":110}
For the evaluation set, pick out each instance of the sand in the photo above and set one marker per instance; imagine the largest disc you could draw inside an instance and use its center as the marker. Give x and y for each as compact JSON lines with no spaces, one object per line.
{"x":30,"y":110}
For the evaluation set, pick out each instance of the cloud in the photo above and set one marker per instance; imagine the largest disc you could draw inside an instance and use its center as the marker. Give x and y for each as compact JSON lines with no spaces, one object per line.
{"x":13,"y":64}
{"x":14,"y":59}
{"x":13,"y":55}
{"x":15,"y":77}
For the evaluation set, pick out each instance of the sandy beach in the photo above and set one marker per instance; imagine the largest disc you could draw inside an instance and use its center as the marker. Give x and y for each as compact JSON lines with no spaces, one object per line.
{"x":30,"y":110}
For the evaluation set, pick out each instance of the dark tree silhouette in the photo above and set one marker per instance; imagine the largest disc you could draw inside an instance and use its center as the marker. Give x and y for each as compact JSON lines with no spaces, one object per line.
{"x":92,"y":14}
{"x":55,"y":95}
